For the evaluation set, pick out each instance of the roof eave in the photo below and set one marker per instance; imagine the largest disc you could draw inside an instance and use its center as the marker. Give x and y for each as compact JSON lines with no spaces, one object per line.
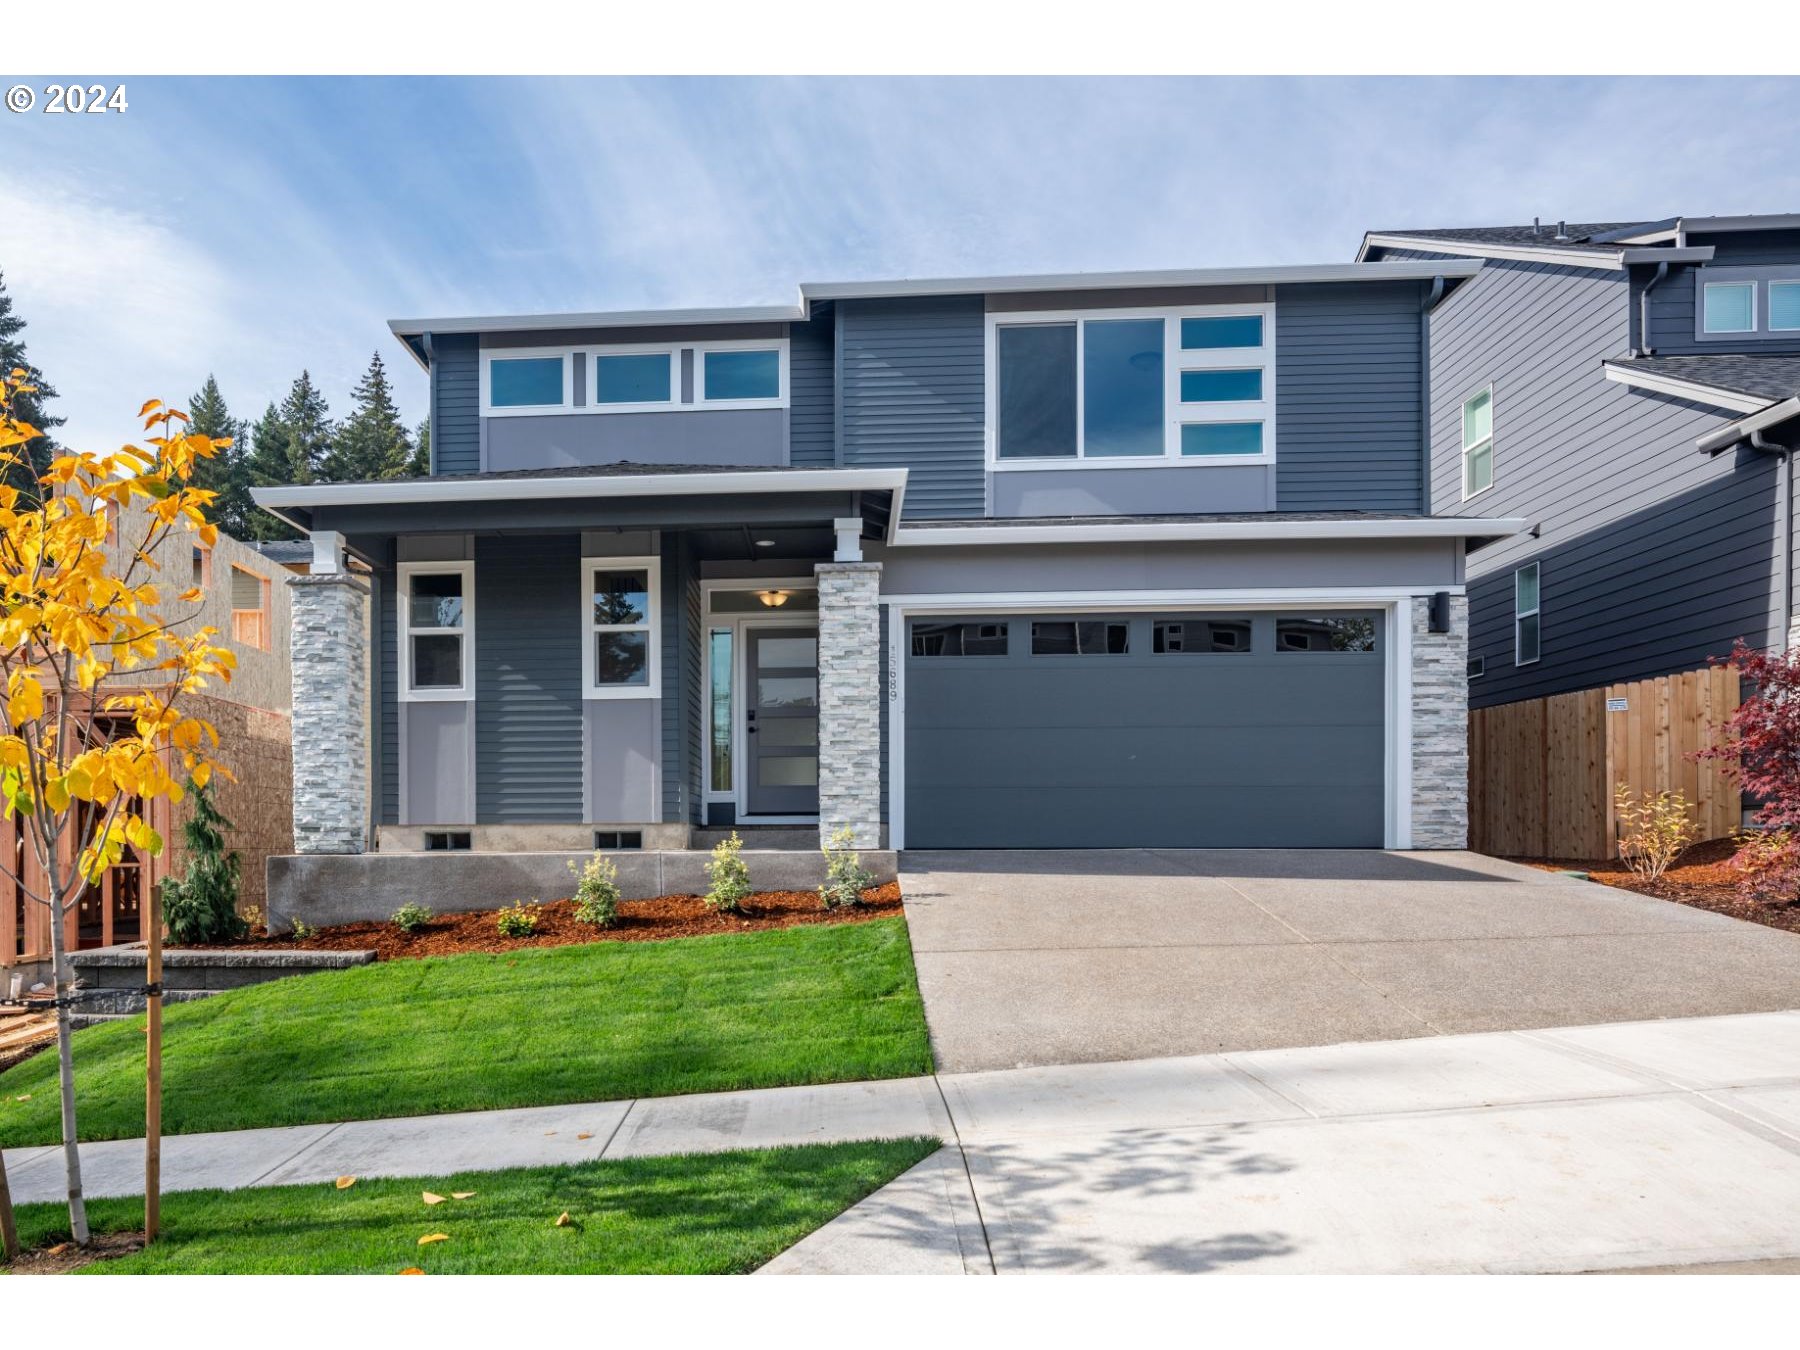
{"x":1657,"y":382}
{"x":1419,"y":527}
{"x":1716,"y":442}
{"x":1608,"y":260}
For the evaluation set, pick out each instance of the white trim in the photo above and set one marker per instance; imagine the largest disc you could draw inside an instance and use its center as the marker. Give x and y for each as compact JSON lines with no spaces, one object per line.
{"x":737,"y":622}
{"x":1404,"y":527}
{"x":1395,"y":602}
{"x":701,"y":349}
{"x":671,"y":484}
{"x":1487,"y":389}
{"x":404,"y":574}
{"x":1761,"y":420}
{"x":1614,"y":260}
{"x":1535,"y":612}
{"x":1657,"y":382}
{"x":593,"y":355}
{"x":651,"y":627}
{"x":1175,"y":413}
{"x":493,"y":354}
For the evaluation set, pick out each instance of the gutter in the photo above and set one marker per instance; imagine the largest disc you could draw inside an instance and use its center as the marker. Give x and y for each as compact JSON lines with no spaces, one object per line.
{"x":1401,"y":527}
{"x":1749,"y":428}
{"x":1607,"y":260}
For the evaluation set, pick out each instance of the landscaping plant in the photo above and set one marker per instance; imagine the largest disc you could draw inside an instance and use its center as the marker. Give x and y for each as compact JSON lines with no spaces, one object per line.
{"x":98,"y":660}
{"x":845,"y":877}
{"x":728,"y":876}
{"x":410,"y":918}
{"x":201,"y":906}
{"x":518,"y":921}
{"x":597,"y":891}
{"x":1768,"y":866}
{"x":1654,"y":831}
{"x":1760,"y":747}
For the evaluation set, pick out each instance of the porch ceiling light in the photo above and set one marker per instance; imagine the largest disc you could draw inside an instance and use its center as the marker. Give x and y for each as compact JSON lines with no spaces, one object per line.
{"x":773,"y":599}
{"x":765,"y":543}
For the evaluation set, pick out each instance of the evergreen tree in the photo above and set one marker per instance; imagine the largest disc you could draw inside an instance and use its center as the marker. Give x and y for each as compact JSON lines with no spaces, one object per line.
{"x":267,"y":465}
{"x":228,"y":473}
{"x":201,"y":905}
{"x":308,"y":421}
{"x":27,"y":408}
{"x":420,"y":467}
{"x":372,"y":443}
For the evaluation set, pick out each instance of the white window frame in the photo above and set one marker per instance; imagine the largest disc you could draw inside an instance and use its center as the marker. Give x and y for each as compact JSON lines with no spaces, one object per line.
{"x":1462,"y":432}
{"x":1733,"y":283}
{"x":1535,"y":612}
{"x":405,"y":573}
{"x":591,"y":368}
{"x":777,"y":345}
{"x":1176,"y":414}
{"x":491,"y":355}
{"x":1773,"y":283}
{"x":652,"y":627}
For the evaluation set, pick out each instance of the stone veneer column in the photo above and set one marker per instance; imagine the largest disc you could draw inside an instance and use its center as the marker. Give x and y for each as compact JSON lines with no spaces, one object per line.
{"x":1440,"y":727}
{"x":850,"y":700}
{"x":331,"y":750}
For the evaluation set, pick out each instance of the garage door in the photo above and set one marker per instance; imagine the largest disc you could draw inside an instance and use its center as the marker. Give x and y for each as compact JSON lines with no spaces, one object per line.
{"x":1126,"y":731}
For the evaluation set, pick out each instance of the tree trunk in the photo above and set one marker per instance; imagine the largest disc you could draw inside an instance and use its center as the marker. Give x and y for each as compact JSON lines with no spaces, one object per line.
{"x":9,"y":1232}
{"x":65,"y":1056}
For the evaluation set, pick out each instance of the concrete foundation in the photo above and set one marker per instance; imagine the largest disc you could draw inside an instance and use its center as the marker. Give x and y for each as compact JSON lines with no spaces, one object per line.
{"x":325,"y":889}
{"x":530,"y":838}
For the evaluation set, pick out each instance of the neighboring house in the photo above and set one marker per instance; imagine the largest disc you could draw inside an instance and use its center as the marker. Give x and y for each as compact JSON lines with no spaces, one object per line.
{"x":242,"y":597}
{"x":1633,"y":389}
{"x":1090,"y":560}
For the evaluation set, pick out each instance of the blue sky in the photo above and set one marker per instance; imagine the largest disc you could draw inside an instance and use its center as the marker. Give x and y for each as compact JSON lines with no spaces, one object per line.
{"x":253,"y":227}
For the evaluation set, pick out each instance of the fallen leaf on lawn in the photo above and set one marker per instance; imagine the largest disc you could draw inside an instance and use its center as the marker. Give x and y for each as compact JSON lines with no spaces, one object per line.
{"x":345,"y":1183}
{"x":563,"y":1220}
{"x":412,"y":1270}
{"x":584,"y":1136}
{"x":430,"y":1238}
{"x":461,"y":1195}
{"x":58,"y":1249}
{"x":25,"y":1098}
{"x":431,"y":1199}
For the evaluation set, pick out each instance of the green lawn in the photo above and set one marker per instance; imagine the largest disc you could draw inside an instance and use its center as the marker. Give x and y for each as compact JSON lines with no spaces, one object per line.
{"x":534,"y":1027}
{"x":698,"y":1215}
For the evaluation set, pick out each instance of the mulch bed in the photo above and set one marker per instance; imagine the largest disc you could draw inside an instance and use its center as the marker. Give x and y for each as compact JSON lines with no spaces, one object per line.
{"x":667,"y":916}
{"x":63,"y":1257}
{"x":1701,"y":877}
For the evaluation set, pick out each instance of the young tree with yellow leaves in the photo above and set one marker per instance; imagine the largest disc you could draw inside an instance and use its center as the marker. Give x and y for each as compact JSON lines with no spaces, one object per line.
{"x":94,"y":668}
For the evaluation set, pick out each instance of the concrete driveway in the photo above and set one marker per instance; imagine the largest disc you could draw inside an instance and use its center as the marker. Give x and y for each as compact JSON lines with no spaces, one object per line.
{"x":1078,"y":956}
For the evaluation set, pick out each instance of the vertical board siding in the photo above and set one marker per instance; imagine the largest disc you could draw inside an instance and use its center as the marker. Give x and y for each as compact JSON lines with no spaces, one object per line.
{"x":388,"y":712}
{"x":528,"y":715}
{"x":682,"y":758}
{"x":455,"y":403}
{"x":911,"y":393}
{"x":1653,"y":557}
{"x":812,"y":392}
{"x":1543,"y":772}
{"x":1349,"y":433}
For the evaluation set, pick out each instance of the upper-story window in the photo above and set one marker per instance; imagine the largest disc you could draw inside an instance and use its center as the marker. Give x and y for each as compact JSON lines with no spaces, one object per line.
{"x":1747,"y":304}
{"x":1526,"y":604}
{"x":1132,"y":387}
{"x":437,"y":630}
{"x":1478,"y":442}
{"x":525,"y":381}
{"x":665,"y":377}
{"x":632,"y":378}
{"x":745,"y":374}
{"x":250,"y":607}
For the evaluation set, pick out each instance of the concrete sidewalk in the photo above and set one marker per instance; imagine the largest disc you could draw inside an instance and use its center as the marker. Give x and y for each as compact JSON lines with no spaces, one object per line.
{"x":1672,"y":1143}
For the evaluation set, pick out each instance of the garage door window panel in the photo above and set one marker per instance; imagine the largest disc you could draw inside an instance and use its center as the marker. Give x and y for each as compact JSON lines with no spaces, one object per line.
{"x":1202,"y":636}
{"x":1333,"y":634}
{"x":959,"y":639}
{"x":1059,"y":637}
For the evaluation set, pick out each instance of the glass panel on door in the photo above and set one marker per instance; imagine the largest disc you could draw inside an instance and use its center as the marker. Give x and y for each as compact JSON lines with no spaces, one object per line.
{"x":781,"y":721}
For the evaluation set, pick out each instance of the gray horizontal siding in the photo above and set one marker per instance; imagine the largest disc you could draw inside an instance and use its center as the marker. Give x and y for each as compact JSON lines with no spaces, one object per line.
{"x":1673,"y":301}
{"x":812,"y":396}
{"x":1348,"y":398}
{"x":388,"y":709}
{"x":1653,"y":557}
{"x":911,"y":394}
{"x":455,"y":404}
{"x":528,"y":680}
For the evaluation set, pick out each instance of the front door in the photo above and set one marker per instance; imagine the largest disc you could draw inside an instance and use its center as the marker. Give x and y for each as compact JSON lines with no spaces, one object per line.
{"x":781,"y":711}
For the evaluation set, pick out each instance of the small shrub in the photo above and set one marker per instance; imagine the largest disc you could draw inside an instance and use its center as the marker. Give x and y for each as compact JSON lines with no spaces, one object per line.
{"x":1653,"y":832}
{"x":597,"y":891}
{"x":845,"y":878}
{"x":518,"y":921}
{"x":303,"y":931}
{"x":728,"y":875}
{"x":1768,"y":867}
{"x":411,"y":918}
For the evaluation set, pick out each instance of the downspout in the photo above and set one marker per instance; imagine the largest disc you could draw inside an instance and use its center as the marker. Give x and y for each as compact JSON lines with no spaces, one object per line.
{"x":1784,"y":513}
{"x":1643,"y":347}
{"x":1435,"y":294}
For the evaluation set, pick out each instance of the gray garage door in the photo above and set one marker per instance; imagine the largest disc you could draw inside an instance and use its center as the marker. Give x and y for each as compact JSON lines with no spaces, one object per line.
{"x":1124,"y":731}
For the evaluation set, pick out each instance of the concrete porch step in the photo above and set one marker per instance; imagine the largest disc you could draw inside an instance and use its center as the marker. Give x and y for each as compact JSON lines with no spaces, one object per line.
{"x":801,"y":837}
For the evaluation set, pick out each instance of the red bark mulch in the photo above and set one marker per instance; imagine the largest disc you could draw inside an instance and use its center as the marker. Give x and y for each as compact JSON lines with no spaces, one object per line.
{"x":1701,"y":877}
{"x":667,"y":916}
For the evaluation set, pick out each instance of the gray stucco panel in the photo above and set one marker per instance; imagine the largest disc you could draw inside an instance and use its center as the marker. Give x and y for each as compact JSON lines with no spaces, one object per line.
{"x":1102,"y":492}
{"x":438,"y":741}
{"x":624,"y":737}
{"x":748,"y":436}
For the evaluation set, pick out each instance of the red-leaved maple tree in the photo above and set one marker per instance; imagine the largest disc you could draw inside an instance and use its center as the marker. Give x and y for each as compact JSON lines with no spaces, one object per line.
{"x":1760,"y":746}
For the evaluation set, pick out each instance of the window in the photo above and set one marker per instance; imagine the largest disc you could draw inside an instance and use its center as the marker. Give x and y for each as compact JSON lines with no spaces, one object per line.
{"x":737,"y":376}
{"x":1525,"y":615}
{"x":1784,"y":306}
{"x":249,"y":608}
{"x":1477,"y":667}
{"x":202,"y":566}
{"x":1080,"y":639}
{"x":632,"y":378}
{"x":959,"y":639}
{"x":719,"y":688}
{"x":1200,"y":635}
{"x":1131,"y":388}
{"x":1325,"y":633}
{"x":1478,"y":443}
{"x":533,"y":382}
{"x":437,"y":629}
{"x":1729,"y":307}
{"x":620,"y":609}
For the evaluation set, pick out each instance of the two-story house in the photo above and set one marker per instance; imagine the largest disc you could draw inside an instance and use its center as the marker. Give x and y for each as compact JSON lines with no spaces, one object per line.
{"x":1137,"y":559}
{"x":1633,"y":388}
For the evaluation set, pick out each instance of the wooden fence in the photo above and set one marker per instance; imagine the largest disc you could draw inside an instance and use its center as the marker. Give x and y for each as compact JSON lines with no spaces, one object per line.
{"x":1542,"y":773}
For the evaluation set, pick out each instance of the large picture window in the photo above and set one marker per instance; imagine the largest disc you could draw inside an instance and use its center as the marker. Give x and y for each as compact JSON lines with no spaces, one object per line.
{"x":620,"y":658}
{"x":437,"y":630}
{"x":1131,"y":387}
